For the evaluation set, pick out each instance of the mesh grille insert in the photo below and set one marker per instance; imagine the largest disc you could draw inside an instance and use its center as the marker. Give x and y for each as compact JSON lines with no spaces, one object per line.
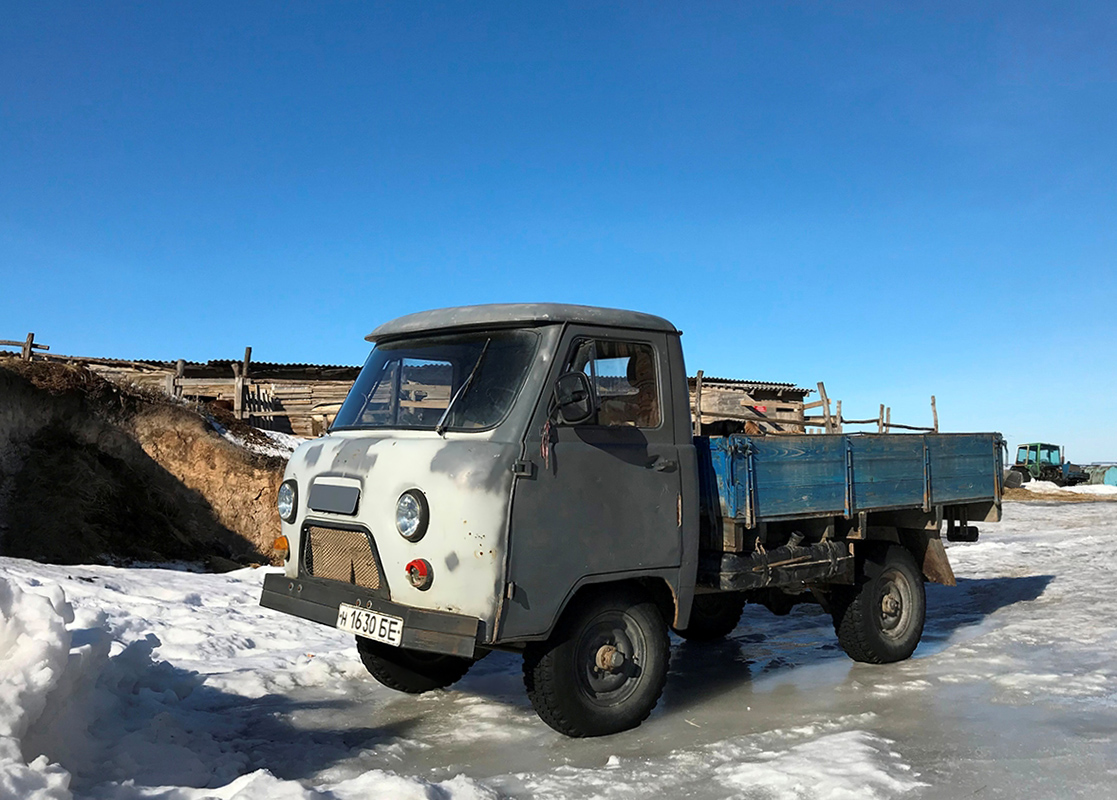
{"x":341,"y":556}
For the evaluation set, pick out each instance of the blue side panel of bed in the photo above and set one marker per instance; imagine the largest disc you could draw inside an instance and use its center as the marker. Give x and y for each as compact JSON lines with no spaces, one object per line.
{"x":781,"y":477}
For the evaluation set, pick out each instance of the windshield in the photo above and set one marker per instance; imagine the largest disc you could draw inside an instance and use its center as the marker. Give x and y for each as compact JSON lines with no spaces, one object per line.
{"x":1049,"y":454}
{"x":410,"y":383}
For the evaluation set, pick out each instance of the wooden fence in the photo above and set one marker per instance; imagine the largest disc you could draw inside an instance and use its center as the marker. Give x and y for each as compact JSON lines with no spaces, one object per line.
{"x":303,"y":398}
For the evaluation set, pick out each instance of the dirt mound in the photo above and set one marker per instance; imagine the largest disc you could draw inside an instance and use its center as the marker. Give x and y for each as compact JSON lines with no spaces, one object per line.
{"x":1057,"y":497}
{"x":91,"y":471}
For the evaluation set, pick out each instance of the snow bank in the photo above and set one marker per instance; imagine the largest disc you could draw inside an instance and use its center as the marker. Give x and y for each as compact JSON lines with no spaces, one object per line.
{"x":87,"y":710}
{"x":34,"y":649}
{"x":1047,"y":487}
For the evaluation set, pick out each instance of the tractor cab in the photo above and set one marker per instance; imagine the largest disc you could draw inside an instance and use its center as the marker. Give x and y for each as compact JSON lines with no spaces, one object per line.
{"x":1044,"y":462}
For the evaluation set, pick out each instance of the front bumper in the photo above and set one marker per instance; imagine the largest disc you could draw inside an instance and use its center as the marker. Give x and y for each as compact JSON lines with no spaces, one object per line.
{"x":317,"y":599}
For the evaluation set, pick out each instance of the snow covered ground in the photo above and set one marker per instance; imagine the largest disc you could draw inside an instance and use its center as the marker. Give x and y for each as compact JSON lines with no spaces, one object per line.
{"x":146,"y":683}
{"x":1047,"y":487}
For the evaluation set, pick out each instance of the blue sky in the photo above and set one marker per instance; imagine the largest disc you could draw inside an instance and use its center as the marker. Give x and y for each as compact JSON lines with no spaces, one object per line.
{"x":897,"y":199}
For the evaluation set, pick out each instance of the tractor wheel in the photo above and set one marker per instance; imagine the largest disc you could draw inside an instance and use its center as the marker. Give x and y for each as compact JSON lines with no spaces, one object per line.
{"x":604,"y":668}
{"x":881,"y":619}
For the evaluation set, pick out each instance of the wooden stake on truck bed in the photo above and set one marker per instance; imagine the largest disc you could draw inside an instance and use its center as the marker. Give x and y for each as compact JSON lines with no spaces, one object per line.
{"x":826,"y":418}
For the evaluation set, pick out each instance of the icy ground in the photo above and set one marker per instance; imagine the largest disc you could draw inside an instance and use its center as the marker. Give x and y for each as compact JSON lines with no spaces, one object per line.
{"x":118,"y":683}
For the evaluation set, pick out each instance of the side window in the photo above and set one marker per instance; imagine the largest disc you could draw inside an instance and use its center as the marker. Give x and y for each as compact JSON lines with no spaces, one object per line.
{"x":623,"y":375}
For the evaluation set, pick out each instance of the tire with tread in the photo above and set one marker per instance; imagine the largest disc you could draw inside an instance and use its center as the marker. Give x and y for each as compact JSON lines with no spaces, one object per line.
{"x":713,"y":616}
{"x":410,"y":671}
{"x":880,"y":620}
{"x":568,"y":689}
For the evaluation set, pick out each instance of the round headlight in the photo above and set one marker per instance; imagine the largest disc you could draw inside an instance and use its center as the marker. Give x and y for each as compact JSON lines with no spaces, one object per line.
{"x":287,"y":501}
{"x":412,"y":515}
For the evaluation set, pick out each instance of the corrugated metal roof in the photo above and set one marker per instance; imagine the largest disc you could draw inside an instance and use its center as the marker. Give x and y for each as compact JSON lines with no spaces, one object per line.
{"x":218,"y":362}
{"x":770,"y":386}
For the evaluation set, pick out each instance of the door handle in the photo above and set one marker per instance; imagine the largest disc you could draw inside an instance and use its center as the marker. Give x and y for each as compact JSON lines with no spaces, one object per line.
{"x":662,"y":464}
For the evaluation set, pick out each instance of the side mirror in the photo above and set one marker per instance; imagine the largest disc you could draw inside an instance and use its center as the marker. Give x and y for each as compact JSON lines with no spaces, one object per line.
{"x":574,"y":398}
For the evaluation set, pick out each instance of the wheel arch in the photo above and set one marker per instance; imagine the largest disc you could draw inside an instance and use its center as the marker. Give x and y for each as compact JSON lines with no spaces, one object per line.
{"x":924,"y":544}
{"x":658,"y":588}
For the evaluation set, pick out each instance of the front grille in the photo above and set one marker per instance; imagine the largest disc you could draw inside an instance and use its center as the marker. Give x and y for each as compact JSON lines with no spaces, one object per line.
{"x":340,"y":555}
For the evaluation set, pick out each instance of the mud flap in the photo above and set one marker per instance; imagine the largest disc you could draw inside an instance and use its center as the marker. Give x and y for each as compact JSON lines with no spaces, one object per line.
{"x":934,"y":563}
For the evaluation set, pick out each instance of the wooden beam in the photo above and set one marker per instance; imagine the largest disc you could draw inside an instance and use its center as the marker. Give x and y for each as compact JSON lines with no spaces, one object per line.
{"x":698,"y":404}
{"x":910,"y":427}
{"x":934,"y":414}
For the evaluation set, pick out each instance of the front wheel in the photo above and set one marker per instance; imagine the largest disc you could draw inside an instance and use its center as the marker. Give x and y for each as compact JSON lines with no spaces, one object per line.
{"x":604,"y":668}
{"x":881,"y":619}
{"x":410,"y":671}
{"x":713,"y":616}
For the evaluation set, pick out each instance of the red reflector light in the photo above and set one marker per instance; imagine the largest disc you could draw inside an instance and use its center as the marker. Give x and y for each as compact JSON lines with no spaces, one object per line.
{"x":419,"y":573}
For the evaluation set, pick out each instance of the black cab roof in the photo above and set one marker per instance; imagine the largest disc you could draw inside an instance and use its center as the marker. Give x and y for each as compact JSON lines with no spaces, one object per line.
{"x":516,"y":315}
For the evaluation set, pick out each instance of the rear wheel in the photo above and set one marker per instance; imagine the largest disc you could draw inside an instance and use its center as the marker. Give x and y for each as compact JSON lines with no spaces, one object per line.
{"x":410,"y":671}
{"x":604,"y":668}
{"x":881,"y":620}
{"x":713,"y":616}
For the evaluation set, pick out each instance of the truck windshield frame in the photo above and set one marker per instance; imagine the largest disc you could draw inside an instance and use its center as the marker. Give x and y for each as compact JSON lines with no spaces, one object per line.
{"x":408,"y":384}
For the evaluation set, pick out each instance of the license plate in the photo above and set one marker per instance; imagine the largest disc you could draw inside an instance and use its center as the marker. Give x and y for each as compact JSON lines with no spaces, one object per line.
{"x":370,"y":624}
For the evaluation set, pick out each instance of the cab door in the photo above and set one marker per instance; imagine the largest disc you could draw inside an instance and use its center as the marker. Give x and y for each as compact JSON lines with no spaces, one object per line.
{"x":603,"y":497}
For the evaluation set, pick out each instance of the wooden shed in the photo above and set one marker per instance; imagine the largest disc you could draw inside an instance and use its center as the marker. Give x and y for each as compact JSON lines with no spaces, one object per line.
{"x":756,"y":406}
{"x":293,"y":398}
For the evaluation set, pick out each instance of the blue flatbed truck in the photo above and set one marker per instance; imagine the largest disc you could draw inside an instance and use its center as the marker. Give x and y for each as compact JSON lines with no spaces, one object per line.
{"x":525,"y":477}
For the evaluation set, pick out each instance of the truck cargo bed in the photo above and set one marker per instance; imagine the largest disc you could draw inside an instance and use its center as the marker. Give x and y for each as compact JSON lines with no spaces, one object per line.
{"x":755,"y":479}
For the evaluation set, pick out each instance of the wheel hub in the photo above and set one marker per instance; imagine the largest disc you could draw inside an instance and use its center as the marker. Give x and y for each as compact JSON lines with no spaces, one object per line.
{"x":609,"y":658}
{"x":895,"y":599}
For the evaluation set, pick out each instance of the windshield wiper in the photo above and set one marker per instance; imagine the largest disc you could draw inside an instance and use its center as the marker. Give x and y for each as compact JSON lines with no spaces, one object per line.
{"x":440,"y":427}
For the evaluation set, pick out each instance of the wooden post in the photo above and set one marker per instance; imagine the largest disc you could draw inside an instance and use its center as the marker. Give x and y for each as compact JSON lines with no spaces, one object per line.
{"x":180,"y":372}
{"x":826,"y":418}
{"x":698,"y":404}
{"x":934,"y":413}
{"x":27,"y":346}
{"x":245,"y":384}
{"x":238,"y":391}
{"x":880,"y":420}
{"x":839,"y":420}
{"x":888,"y":420}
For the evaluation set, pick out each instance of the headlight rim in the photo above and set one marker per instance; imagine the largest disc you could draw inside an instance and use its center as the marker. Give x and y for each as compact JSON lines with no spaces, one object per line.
{"x":293,"y":486}
{"x":424,"y":514}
